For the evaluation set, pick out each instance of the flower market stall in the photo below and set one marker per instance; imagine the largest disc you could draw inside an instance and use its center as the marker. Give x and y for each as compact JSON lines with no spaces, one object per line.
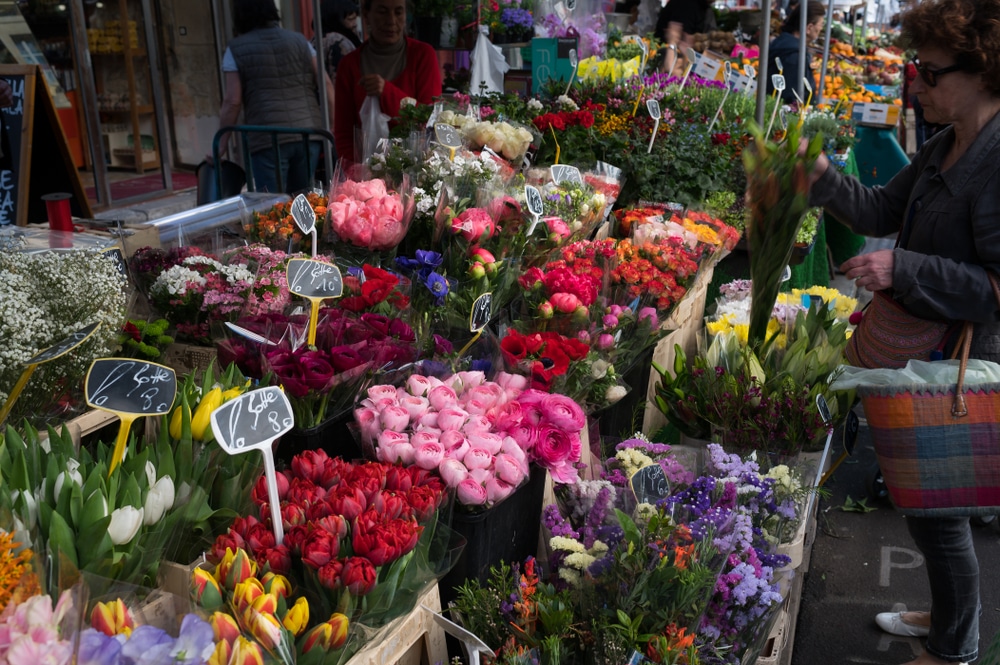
{"x":483,"y":385}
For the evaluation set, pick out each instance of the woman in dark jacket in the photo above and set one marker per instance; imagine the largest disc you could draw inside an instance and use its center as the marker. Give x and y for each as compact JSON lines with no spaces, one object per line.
{"x":786,"y":47}
{"x":946,"y":207}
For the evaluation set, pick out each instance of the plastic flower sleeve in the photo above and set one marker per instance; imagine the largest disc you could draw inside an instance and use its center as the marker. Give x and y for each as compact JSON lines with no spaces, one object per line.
{"x":608,"y":180}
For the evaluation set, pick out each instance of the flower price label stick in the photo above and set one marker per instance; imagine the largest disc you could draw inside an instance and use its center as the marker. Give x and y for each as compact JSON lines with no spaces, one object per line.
{"x":51,"y":353}
{"x":253,"y":421}
{"x":534,"y":201}
{"x":727,"y":75}
{"x":130,"y":389}
{"x":778,"y":81}
{"x":447,"y":136}
{"x":305,"y":218}
{"x":809,"y":98}
{"x":574,"y":62}
{"x":482,"y":312}
{"x":649,"y":484}
{"x":565,"y":173}
{"x":473,"y":645}
{"x":692,"y":61}
{"x":642,"y":45}
{"x":252,"y":336}
{"x":315,"y":281}
{"x":824,"y":412}
{"x":653,"y":107}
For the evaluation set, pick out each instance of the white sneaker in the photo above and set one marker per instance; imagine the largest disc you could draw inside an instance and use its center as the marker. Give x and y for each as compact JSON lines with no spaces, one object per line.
{"x":892,"y":623}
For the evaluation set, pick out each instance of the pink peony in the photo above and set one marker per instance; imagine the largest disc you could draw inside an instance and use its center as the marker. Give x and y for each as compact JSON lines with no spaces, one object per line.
{"x":497,"y":490}
{"x":429,"y":455}
{"x":418,"y":385}
{"x":452,"y":472}
{"x":557,"y":227}
{"x":567,"y":303}
{"x":471,"y":493}
{"x":478,"y":458}
{"x":363,"y":190}
{"x":489,"y":441}
{"x":508,"y":469}
{"x":475,"y":225}
{"x":414,"y":405}
{"x":395,"y":418}
{"x":423,"y":437}
{"x":563,"y":412}
{"x":442,"y":397}
{"x":382,"y":391}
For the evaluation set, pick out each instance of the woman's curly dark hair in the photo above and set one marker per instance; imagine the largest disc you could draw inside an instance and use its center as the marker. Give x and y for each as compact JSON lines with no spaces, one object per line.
{"x":968,"y":28}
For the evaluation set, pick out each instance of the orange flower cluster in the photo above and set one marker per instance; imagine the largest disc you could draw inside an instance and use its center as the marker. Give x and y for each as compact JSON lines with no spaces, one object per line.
{"x":17,"y":581}
{"x":710,"y":230}
{"x":276,"y":226}
{"x":673,"y":647}
{"x":653,"y":269}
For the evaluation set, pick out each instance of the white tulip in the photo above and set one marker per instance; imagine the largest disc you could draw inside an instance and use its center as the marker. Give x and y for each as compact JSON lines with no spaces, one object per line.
{"x":183,"y":494}
{"x":104,"y":501}
{"x":125,"y":523}
{"x":159,"y":500}
{"x":72,"y":467}
{"x":150,"y":474}
{"x":30,"y":505}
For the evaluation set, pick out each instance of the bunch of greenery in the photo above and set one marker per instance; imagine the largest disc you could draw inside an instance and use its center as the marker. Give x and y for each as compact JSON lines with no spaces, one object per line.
{"x":145,"y":340}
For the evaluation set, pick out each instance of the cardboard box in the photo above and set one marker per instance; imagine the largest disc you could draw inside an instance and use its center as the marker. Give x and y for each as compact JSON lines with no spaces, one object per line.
{"x":877,"y":115}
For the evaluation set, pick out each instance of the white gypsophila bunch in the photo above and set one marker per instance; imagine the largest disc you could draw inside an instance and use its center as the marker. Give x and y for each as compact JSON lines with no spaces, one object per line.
{"x":64,"y":291}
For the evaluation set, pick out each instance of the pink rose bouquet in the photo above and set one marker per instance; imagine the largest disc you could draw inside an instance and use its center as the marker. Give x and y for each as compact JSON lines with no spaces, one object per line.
{"x":475,"y":433}
{"x":368,"y":214}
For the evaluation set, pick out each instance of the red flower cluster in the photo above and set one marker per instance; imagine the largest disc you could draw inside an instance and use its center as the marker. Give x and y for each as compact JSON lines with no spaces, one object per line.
{"x":563,"y":119}
{"x":371,"y":288}
{"x":547,"y":355}
{"x":653,"y":270}
{"x":329,"y":506}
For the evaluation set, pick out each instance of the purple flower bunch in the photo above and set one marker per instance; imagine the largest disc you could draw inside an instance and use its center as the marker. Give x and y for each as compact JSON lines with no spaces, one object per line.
{"x":517,"y":20}
{"x":148,"y":645}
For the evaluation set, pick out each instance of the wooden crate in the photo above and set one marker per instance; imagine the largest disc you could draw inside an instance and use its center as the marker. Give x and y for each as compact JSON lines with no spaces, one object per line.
{"x":417,"y":639}
{"x":188,"y":358}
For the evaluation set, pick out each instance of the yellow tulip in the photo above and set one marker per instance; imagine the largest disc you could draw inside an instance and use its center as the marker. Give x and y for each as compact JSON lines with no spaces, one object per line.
{"x":203,"y":414}
{"x":297,"y":617}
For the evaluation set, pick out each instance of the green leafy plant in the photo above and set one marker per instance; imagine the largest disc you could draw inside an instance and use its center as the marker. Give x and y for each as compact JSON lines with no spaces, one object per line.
{"x":144,"y":339}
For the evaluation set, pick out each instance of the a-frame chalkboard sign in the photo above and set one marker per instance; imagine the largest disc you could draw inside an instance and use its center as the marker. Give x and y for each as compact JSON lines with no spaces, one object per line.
{"x":41,"y":160}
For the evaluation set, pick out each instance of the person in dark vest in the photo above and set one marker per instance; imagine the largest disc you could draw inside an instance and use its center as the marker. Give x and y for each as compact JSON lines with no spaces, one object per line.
{"x":388,"y":65}
{"x":786,"y":47}
{"x":270,"y":73}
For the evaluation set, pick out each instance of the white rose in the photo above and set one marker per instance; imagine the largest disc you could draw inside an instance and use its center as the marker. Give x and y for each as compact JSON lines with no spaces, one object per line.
{"x":615,"y":394}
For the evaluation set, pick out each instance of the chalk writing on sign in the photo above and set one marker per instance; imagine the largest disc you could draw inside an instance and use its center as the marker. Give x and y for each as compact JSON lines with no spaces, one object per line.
{"x":649,"y":484}
{"x":13,"y":118}
{"x":303,"y":214}
{"x":314,"y":279}
{"x":253,"y":420}
{"x":130,"y":386}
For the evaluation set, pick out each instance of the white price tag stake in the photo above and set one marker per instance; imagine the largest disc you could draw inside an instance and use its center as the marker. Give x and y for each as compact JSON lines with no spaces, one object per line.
{"x":778,"y":81}
{"x":653,"y":106}
{"x":574,"y":62}
{"x":727,"y":73}
{"x":534,"y":202}
{"x":305,"y":218}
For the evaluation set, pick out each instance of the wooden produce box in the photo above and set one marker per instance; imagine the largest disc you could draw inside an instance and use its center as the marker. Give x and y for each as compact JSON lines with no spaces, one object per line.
{"x":188,"y":358}
{"x":416,"y":639}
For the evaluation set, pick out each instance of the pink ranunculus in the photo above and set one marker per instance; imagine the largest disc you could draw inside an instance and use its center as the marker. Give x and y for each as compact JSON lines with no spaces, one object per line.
{"x":418,"y":385}
{"x":459,"y":451}
{"x":382,"y":391}
{"x":429,"y":419}
{"x":567,"y":303}
{"x":471,"y":493}
{"x":489,"y":441}
{"x":452,"y":472}
{"x":471,"y":379}
{"x":414,"y":405}
{"x":452,"y":418}
{"x":481,"y":475}
{"x":555,"y":446}
{"x":564,"y":473}
{"x":392,"y":438}
{"x":478,"y":458}
{"x":512,"y":383}
{"x":475,"y":407}
{"x":429,"y":455}
{"x":508,"y":469}
{"x":477,"y":423}
{"x":488,"y":394}
{"x":452,"y":438}
{"x":526,"y":436}
{"x":395,"y":418}
{"x":563,"y":412}
{"x":423,"y":437}
{"x":557,"y":227}
{"x":497,"y":490}
{"x":511,"y":447}
{"x":442,"y":397}
{"x":368,"y":422}
{"x":507,"y":416}
{"x":531,"y":412}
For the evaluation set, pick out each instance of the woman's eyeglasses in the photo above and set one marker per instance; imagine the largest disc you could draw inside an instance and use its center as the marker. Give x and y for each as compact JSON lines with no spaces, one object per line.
{"x":929,"y":75}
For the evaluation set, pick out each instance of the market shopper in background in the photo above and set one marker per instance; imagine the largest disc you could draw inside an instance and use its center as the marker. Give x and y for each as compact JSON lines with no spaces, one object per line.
{"x":270,"y":73}
{"x":388,"y":65}
{"x":946,"y":207}
{"x":340,"y":32}
{"x":786,"y":47}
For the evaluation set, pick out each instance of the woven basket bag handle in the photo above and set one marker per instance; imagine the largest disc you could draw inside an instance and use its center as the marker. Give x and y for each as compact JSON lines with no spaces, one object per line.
{"x":958,"y":409}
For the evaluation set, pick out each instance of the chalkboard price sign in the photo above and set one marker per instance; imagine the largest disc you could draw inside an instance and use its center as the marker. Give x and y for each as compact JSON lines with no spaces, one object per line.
{"x":650,"y":484}
{"x":253,"y":420}
{"x":824,"y":410}
{"x":303,"y":214}
{"x":653,"y":106}
{"x":118,"y":258}
{"x":565,"y":173}
{"x":534,"y":199}
{"x":130,"y":386}
{"x":447,"y":135}
{"x":314,"y":279}
{"x":481,"y":312}
{"x":64,"y":346}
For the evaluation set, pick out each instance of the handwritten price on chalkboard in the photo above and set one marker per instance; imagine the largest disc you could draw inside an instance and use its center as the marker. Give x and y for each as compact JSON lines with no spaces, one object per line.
{"x":255,"y":419}
{"x":129,"y":386}
{"x":314,"y":279}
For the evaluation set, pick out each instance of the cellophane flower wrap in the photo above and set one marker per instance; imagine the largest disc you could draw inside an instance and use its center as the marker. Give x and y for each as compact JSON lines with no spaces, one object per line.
{"x":48,"y":296}
{"x":367,"y":214}
{"x":360,"y":539}
{"x":480,"y":436}
{"x":277,"y":229}
{"x":322,"y":381}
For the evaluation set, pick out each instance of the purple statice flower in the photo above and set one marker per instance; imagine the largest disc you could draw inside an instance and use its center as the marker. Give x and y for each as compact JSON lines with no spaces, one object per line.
{"x":595,"y":518}
{"x":675,"y":472}
{"x":557,"y":524}
{"x":648,"y":447}
{"x":738,"y":289}
{"x":517,"y":18}
{"x":616,"y":477}
{"x":601,"y":566}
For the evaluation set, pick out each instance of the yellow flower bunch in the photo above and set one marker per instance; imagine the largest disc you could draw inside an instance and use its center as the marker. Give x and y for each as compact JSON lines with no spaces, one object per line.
{"x":841,"y":305}
{"x":728,"y":324}
{"x":611,"y":123}
{"x":705,"y":233}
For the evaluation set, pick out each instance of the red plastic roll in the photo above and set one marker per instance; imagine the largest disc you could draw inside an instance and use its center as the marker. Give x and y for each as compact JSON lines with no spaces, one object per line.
{"x":57,"y":206}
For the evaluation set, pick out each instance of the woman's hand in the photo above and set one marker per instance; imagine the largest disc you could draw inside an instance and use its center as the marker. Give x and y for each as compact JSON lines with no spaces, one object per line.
{"x":872,"y":271}
{"x":373,"y":84}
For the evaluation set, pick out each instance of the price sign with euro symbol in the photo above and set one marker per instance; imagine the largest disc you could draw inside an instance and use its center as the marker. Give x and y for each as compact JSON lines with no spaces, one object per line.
{"x":316,"y":281}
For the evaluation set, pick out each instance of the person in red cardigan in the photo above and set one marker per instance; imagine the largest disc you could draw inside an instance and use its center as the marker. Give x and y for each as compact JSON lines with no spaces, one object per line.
{"x":389,"y":65}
